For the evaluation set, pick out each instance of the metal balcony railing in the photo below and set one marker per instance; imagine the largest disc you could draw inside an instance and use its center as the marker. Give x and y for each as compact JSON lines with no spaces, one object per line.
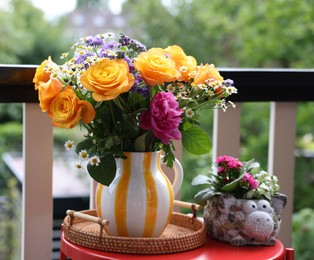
{"x":283,"y":88}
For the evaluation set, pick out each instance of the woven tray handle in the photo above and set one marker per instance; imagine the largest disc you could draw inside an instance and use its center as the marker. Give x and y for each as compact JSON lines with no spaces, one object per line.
{"x":188,"y":205}
{"x":103,"y":223}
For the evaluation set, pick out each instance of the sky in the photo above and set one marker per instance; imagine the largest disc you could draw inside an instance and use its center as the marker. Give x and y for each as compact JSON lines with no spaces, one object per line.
{"x":53,"y":9}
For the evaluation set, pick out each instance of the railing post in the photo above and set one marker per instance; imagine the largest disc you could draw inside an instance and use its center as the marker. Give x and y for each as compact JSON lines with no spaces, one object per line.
{"x":281,"y":160}
{"x":37,"y":184}
{"x":226,"y":132}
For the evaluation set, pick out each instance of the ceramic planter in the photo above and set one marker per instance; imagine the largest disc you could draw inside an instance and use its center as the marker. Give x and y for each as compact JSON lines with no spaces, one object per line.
{"x":244,"y":222}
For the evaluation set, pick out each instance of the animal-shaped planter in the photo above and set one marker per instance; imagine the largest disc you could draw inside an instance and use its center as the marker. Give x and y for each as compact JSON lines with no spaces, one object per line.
{"x":244,"y":222}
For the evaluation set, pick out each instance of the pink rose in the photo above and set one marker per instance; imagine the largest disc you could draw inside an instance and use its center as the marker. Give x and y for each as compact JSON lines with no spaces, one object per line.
{"x":164,"y":117}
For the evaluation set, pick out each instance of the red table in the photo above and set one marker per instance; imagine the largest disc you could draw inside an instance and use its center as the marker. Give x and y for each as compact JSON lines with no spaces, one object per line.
{"x":210,"y":250}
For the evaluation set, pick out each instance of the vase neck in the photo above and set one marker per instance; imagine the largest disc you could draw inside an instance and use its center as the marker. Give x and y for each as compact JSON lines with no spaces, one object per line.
{"x":140,"y":162}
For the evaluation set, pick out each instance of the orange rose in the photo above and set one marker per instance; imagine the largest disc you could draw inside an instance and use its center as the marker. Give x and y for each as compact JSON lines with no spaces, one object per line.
{"x":184,"y":64}
{"x":47,"y":92}
{"x":156,"y":50}
{"x":107,"y":79}
{"x":206,"y":72}
{"x":42,"y":75}
{"x":155,"y":67}
{"x":66,"y":109}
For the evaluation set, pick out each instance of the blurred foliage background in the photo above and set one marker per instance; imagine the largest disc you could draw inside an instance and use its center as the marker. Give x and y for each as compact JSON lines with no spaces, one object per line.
{"x":228,"y":33}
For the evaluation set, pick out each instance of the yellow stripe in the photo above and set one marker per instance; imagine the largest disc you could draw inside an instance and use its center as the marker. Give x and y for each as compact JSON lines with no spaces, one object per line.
{"x":170,"y":191}
{"x":151,"y":197}
{"x":121,"y":196}
{"x":99,"y":190}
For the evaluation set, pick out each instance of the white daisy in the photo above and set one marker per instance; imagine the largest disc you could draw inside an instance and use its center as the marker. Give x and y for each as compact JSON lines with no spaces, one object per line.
{"x":94,"y":160}
{"x":78,"y":166}
{"x":189,"y":112}
{"x":69,"y":145}
{"x":83,"y":154}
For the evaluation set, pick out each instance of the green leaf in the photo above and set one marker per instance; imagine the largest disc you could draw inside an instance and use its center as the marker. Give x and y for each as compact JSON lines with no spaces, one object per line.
{"x":105,"y":172}
{"x":232,"y":186}
{"x":202,"y":196}
{"x":129,"y":126}
{"x":140,"y":144}
{"x":186,"y":125}
{"x":84,"y":145}
{"x":168,"y":157}
{"x":201,"y":179}
{"x":196,"y":140}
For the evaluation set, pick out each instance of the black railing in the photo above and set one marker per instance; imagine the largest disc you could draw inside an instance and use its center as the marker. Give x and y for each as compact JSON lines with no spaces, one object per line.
{"x":254,"y":85}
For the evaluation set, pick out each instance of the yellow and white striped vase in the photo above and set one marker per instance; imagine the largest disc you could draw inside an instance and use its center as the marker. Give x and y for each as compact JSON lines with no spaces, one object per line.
{"x":139,"y":201}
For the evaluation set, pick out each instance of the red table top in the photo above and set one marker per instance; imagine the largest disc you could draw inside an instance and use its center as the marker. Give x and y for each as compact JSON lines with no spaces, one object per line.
{"x":212,"y":249}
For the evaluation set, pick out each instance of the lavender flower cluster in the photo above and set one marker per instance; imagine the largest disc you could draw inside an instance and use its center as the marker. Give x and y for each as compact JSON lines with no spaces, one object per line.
{"x":93,"y":48}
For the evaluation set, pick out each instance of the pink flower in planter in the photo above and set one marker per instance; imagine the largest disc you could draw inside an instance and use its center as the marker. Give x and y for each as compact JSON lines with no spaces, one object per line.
{"x":249,"y":181}
{"x":164,"y":117}
{"x":229,"y":161}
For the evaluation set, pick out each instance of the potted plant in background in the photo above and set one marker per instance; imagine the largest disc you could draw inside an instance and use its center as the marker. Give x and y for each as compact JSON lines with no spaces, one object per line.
{"x":133,"y":103}
{"x":242,"y":203}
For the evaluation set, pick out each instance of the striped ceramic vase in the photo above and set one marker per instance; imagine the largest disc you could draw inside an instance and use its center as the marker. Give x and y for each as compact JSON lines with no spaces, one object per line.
{"x":139,"y":201}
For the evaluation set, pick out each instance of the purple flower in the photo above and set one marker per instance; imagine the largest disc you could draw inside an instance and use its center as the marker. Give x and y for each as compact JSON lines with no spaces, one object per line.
{"x":131,"y":43}
{"x":228,"y":83}
{"x":163,"y":117}
{"x":130,"y":63}
{"x":80,"y":58}
{"x":124,"y":40}
{"x":141,"y":47}
{"x":140,"y":86}
{"x":90,"y":41}
{"x":108,"y":50}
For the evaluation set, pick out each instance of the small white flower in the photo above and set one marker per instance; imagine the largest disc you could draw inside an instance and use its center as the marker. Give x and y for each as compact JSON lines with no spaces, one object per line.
{"x":94,"y":160}
{"x":267,"y":178}
{"x":171,"y":88}
{"x":210,"y":92}
{"x":189,"y":112}
{"x":83,"y":154}
{"x":78,"y":166}
{"x":109,"y":35}
{"x":193,"y":74}
{"x":69,"y":145}
{"x":64,"y":55}
{"x":183,"y":69}
{"x":264,"y":187}
{"x":231,"y":90}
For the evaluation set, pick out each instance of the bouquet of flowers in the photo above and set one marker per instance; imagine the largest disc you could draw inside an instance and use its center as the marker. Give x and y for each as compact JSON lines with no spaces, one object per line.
{"x":130,"y":99}
{"x":243,"y":180}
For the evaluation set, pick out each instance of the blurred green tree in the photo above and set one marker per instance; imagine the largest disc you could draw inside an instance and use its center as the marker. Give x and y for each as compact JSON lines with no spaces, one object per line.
{"x":26,"y":37}
{"x":230,"y":33}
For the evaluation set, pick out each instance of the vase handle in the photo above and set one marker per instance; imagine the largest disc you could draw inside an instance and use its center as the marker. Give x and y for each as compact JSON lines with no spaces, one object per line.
{"x":178,"y":177}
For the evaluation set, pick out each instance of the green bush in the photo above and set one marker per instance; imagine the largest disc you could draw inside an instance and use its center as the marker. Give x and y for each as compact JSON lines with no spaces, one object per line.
{"x":303,"y":234}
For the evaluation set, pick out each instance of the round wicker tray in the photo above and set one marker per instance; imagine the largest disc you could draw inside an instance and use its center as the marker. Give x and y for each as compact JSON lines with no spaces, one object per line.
{"x":182,"y":233}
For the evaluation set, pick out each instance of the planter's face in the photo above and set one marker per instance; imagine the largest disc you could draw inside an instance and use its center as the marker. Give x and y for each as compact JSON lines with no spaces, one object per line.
{"x":242,"y":222}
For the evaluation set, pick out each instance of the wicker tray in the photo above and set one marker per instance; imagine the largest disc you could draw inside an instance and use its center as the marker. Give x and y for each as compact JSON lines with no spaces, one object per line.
{"x":182,"y":233}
